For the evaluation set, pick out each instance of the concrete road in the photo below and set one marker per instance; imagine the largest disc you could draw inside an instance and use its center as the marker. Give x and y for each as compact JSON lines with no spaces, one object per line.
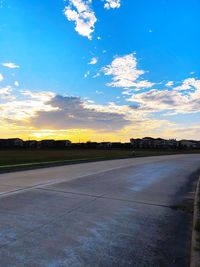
{"x":132,"y":212}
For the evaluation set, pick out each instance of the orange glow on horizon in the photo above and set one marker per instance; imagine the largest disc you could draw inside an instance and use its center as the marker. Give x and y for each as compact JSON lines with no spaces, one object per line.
{"x":74,"y":135}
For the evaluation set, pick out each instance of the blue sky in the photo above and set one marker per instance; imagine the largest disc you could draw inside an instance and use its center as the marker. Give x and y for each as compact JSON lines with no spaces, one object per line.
{"x":52,"y":43}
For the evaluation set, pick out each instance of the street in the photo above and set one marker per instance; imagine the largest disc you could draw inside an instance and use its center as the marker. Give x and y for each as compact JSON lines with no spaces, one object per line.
{"x":130,"y":212}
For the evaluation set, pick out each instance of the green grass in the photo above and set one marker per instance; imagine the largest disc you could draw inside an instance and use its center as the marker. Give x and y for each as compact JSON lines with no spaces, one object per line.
{"x":11,"y":157}
{"x":17,"y":159}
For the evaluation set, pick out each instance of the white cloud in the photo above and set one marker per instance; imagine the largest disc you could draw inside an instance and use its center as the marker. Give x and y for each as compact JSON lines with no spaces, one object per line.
{"x":138,"y":122}
{"x":124,"y":71}
{"x":6,"y":93}
{"x":45,"y":110}
{"x":96,"y":75}
{"x":87,"y":74}
{"x":81,"y":13}
{"x":98,"y":92}
{"x":188,"y":84}
{"x":17,"y":108}
{"x":16,"y":83}
{"x":125,"y":74}
{"x":10,"y":65}
{"x":42,"y":96}
{"x":112,"y":4}
{"x":171,"y":101}
{"x":5,"y":90}
{"x":1,"y":77}
{"x":169,"y":84}
{"x":142,"y":84}
{"x":93,"y":61}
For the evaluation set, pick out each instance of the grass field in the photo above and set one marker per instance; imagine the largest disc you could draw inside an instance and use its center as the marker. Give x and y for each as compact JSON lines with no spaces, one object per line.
{"x":32,"y":156}
{"x":14,"y":159}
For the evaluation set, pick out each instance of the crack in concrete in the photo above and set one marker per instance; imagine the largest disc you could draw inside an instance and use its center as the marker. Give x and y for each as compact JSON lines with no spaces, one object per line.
{"x":107,"y":197}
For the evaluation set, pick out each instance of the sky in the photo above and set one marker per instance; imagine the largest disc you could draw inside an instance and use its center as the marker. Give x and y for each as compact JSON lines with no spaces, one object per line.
{"x":99,"y":70}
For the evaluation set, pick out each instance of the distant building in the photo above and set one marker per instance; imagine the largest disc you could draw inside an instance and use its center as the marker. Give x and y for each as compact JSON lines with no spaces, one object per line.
{"x":135,"y":143}
{"x":47,"y":143}
{"x":172,"y":143}
{"x":51,"y":143}
{"x":15,"y":143}
{"x":189,"y":144}
{"x":91,"y":145}
{"x":153,"y":143}
{"x":31,"y":144}
{"x":116,"y":145}
{"x":62,"y":143}
{"x":104,"y":145}
{"x":127,"y":145}
{"x":146,"y":142}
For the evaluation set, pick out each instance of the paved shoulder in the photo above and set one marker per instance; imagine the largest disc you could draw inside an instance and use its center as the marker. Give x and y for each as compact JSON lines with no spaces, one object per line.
{"x":121,"y":214}
{"x":24,"y":180}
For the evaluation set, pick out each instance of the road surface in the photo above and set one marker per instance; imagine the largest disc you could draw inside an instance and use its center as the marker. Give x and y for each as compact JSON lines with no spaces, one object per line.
{"x":131,"y":212}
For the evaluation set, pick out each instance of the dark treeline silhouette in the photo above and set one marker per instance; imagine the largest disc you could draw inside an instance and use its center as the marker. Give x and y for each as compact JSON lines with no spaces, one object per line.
{"x":138,"y":143}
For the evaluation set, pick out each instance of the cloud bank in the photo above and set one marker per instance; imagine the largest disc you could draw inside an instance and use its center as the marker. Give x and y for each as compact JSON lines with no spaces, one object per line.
{"x":72,"y":112}
{"x":183,"y":99}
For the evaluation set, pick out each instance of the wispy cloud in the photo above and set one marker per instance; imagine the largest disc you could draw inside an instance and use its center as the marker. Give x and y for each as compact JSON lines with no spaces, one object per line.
{"x":87,"y":74}
{"x":10,"y":65}
{"x":98,"y":92}
{"x":1,"y":77}
{"x":188,"y":84}
{"x":112,"y":4}
{"x":43,"y":95}
{"x":125,"y":73}
{"x":6,"y":93}
{"x":81,"y":13}
{"x":16,"y":83}
{"x":93,"y":61}
{"x":5,"y":90}
{"x":169,"y":84}
{"x":96,"y":75}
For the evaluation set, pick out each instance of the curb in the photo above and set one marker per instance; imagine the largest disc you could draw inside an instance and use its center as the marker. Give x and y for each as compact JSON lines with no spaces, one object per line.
{"x":194,"y":258}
